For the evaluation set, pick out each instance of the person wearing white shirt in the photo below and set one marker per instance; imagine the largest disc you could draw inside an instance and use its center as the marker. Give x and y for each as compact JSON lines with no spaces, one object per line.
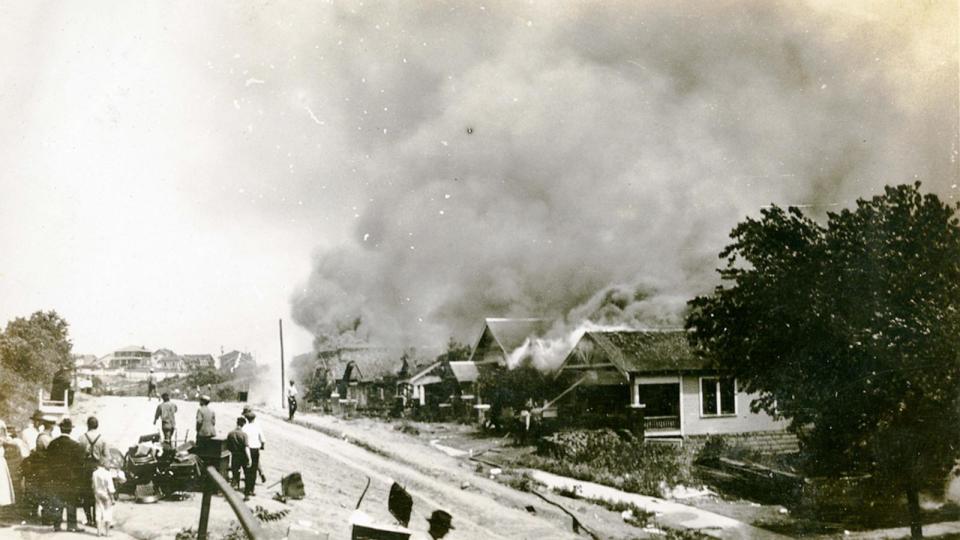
{"x":291,"y":400}
{"x":256,"y":443}
{"x":31,"y":431}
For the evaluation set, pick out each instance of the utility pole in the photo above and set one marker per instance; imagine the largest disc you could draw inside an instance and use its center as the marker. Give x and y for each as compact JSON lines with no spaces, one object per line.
{"x":283,"y":377}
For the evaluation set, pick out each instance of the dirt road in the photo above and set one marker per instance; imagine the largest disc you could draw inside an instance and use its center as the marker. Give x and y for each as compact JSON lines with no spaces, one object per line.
{"x":335,"y":473}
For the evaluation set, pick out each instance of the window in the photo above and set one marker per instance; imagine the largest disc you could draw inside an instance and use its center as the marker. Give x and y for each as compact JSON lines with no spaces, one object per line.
{"x":718,"y":396}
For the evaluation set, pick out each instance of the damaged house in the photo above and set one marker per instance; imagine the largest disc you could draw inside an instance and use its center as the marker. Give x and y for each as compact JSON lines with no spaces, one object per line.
{"x":444,"y":390}
{"x":621,"y":376}
{"x":498,"y":339}
{"x":360,"y":377}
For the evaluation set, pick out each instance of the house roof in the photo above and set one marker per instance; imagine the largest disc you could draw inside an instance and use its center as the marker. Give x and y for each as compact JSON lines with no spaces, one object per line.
{"x":132,"y":348}
{"x":649,"y":351}
{"x":420,"y":375}
{"x":197,"y":358}
{"x":511,"y":333}
{"x":464,"y":371}
{"x":369,"y":363}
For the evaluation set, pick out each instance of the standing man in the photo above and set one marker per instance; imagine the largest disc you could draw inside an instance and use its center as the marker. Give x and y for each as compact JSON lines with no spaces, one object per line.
{"x":64,"y":460}
{"x":151,"y":386}
{"x":43,"y":480}
{"x":167,"y":414}
{"x":206,"y":421}
{"x":239,"y":453}
{"x":255,"y":442}
{"x":291,"y":400}
{"x":94,"y":451}
{"x":30,"y":433}
{"x":49,"y":433}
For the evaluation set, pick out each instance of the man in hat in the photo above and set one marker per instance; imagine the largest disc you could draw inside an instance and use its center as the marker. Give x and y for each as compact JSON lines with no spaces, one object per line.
{"x":206,"y":421}
{"x":256,"y":443}
{"x":441,"y":522}
{"x":151,"y":386}
{"x":39,"y":477}
{"x":236,"y":444}
{"x":29,"y":434}
{"x":49,"y":433}
{"x":64,"y":459}
{"x":167,"y":415}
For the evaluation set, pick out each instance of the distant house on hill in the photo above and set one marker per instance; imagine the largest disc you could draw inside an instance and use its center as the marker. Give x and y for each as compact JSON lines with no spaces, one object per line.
{"x":236,"y":360}
{"x":167,"y":361}
{"x":619,"y":374}
{"x":197,"y":361}
{"x":128,"y":358}
{"x":85,"y":361}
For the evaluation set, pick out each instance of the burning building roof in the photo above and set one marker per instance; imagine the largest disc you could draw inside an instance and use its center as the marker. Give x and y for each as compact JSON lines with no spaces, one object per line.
{"x":637,"y":351}
{"x":500,"y":337}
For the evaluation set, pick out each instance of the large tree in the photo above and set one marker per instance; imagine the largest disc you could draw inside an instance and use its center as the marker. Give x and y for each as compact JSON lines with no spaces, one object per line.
{"x":36,"y":347}
{"x":32,"y":350}
{"x":852,"y":331}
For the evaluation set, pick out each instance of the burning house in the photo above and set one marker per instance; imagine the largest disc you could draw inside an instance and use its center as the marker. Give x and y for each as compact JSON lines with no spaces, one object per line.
{"x":620,"y":376}
{"x":359,"y":377}
{"x":444,"y":390}
{"x":500,"y":337}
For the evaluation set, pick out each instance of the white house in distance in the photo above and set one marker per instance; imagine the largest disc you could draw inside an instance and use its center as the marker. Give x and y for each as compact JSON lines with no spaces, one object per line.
{"x":680,"y":394}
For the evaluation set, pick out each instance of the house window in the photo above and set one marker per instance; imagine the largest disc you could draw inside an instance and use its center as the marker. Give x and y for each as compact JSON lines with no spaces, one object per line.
{"x":718,"y":396}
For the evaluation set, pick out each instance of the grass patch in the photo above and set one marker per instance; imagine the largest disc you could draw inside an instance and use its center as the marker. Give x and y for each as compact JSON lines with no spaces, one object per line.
{"x":604,"y":458}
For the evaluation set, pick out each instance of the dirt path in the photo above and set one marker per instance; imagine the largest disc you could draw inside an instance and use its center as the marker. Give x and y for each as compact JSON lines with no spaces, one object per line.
{"x":335,"y":473}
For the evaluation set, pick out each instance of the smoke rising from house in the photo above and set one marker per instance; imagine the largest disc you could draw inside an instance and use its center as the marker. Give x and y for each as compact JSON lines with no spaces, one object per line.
{"x":587,"y":162}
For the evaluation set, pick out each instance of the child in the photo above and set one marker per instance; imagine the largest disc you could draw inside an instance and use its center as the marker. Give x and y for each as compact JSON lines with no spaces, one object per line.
{"x":103,"y":491}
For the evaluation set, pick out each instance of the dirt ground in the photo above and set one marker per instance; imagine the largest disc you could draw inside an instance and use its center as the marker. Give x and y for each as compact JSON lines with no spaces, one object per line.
{"x":335,"y":472}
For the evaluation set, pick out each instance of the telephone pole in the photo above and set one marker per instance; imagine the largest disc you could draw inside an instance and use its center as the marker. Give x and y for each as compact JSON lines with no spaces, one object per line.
{"x":283,"y":377}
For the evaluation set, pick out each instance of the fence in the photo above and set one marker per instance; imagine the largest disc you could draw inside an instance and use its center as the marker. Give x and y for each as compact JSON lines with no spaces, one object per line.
{"x":216,"y":482}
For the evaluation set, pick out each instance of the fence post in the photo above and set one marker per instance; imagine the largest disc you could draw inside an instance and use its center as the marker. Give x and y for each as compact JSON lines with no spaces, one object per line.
{"x":204,"y":512}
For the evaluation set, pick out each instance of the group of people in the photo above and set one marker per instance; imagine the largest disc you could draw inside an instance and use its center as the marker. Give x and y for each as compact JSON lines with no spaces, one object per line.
{"x":54,"y":471}
{"x":245,"y":443}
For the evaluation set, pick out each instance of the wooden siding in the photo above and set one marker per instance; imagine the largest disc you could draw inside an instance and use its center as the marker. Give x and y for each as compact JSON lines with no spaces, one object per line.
{"x":694,"y":423}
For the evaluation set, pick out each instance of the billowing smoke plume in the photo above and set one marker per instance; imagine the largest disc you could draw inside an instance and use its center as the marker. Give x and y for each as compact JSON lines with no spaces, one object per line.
{"x":587,"y":162}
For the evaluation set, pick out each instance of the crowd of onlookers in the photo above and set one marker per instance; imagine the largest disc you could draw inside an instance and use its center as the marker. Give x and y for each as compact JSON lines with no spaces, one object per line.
{"x":47,"y":469}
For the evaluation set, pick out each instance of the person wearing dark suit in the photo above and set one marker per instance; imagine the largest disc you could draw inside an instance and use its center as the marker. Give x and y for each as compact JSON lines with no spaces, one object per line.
{"x":64,"y":459}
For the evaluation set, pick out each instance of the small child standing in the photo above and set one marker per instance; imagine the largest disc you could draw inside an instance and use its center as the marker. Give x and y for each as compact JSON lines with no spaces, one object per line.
{"x":103,"y":491}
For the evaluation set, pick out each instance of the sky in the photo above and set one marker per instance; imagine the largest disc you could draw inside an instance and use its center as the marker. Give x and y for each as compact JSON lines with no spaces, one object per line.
{"x":183,"y":175}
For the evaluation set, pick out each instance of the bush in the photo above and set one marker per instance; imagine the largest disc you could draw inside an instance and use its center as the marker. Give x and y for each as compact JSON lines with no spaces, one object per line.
{"x":603,"y":457}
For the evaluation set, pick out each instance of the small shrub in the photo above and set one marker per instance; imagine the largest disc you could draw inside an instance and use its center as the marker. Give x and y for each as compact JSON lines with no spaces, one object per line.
{"x":603,"y":457}
{"x":640,"y":517}
{"x":521,"y":483}
{"x":570,"y":493}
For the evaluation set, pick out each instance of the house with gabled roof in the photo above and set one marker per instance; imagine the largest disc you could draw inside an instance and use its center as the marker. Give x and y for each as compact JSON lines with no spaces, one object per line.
{"x":363,"y":377}
{"x":497,"y":340}
{"x":501,"y":336}
{"x":620,"y":373}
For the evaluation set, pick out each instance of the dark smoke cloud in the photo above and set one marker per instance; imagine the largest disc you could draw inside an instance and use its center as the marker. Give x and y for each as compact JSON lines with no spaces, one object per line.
{"x":588,"y":161}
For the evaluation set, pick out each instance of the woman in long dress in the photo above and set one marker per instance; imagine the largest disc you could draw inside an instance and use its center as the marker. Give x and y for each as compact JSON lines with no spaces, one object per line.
{"x":6,"y":483}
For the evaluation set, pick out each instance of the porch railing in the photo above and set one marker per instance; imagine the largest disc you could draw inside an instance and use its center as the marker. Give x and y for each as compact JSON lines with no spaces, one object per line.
{"x":662,"y":423}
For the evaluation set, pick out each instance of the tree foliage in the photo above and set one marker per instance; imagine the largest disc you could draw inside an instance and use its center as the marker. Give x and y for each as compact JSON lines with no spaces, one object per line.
{"x":851,"y":330}
{"x":36,"y":347}
{"x":32,"y":350}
